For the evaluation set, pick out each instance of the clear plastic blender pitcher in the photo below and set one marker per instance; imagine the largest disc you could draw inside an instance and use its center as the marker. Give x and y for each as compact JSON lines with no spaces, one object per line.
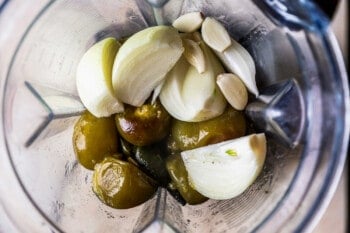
{"x":43,"y":189}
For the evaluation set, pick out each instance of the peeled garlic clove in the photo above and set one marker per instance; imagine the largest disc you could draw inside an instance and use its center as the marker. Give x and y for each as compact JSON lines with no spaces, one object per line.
{"x":94,"y":79}
{"x":233,"y":89}
{"x":225,"y":170}
{"x":190,"y":96}
{"x":200,"y":90}
{"x":215,"y":35}
{"x":189,"y":22}
{"x":194,"y":55}
{"x":195,"y":36}
{"x":143,"y":61}
{"x":237,"y":60}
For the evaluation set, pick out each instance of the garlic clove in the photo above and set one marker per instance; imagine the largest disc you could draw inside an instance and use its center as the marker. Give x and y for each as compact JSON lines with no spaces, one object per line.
{"x":237,"y":60}
{"x":233,"y":89}
{"x":190,"y":96}
{"x":194,"y":55}
{"x":189,"y":22}
{"x":200,"y":90}
{"x":195,"y":36}
{"x":215,"y":35}
{"x":234,"y":56}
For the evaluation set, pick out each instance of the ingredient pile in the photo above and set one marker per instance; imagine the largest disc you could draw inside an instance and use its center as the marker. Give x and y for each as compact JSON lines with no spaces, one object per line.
{"x":164,"y":109}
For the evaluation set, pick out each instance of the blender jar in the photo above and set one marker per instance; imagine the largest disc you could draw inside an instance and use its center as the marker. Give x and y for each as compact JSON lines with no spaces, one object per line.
{"x":43,"y":189}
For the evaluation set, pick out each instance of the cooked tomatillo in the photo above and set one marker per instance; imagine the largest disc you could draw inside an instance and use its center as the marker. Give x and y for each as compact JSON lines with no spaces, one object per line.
{"x":120,"y":184}
{"x":93,"y":139}
{"x":143,"y":125}
{"x":172,"y":126}
{"x":186,"y":135}
{"x":179,"y":177}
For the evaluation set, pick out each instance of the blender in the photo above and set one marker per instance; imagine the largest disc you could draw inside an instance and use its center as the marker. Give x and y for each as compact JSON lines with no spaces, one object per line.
{"x":300,"y":74}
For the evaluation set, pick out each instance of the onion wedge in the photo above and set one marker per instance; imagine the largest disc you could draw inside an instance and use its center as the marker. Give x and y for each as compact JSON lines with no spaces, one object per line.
{"x":225,"y":170}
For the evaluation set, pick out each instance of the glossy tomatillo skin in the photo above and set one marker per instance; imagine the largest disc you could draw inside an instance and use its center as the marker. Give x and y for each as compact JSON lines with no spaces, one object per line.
{"x":120,"y":184}
{"x":94,"y":139}
{"x":189,"y":135}
{"x":143,"y":125}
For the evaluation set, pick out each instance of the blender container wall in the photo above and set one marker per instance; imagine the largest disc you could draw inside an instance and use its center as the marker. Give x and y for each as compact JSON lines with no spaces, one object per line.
{"x":43,"y":188}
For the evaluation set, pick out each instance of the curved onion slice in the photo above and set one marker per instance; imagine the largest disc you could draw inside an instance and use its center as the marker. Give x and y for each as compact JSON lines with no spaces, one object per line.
{"x":94,"y":79}
{"x":225,"y":170}
{"x":143,"y":61}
